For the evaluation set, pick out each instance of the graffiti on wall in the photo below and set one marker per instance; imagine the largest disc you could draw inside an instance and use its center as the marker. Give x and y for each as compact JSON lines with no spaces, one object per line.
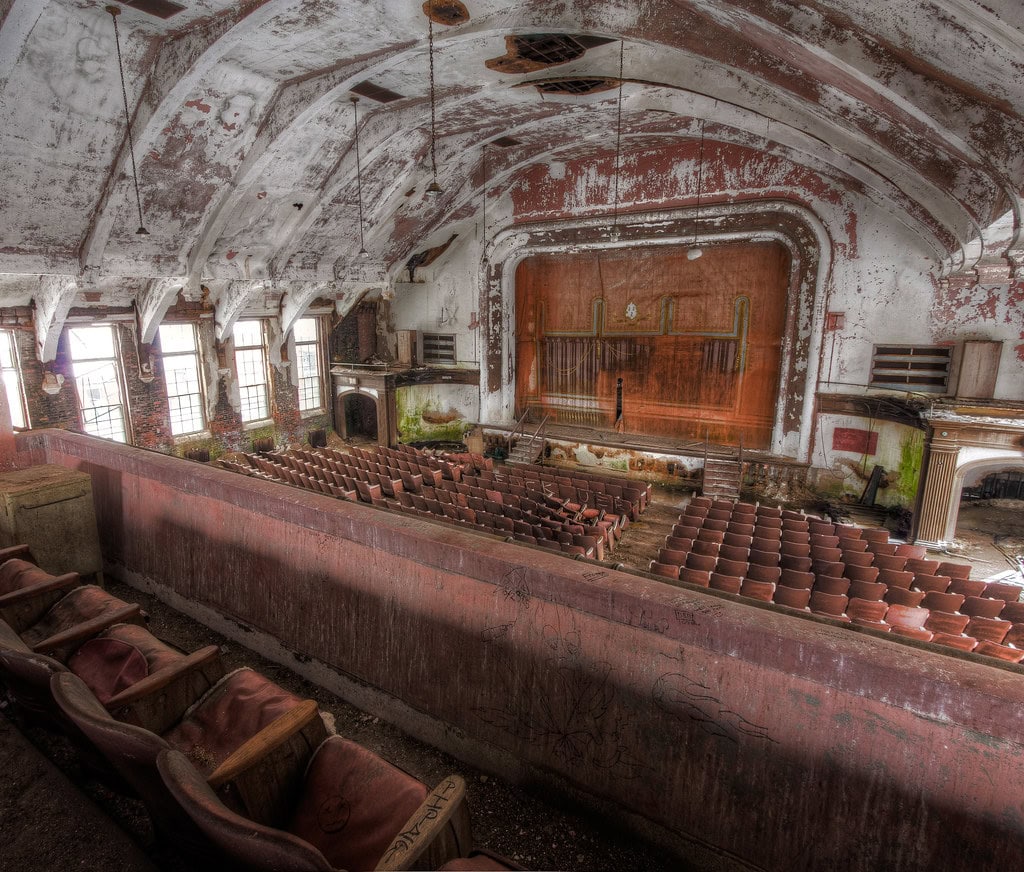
{"x":560,"y":701}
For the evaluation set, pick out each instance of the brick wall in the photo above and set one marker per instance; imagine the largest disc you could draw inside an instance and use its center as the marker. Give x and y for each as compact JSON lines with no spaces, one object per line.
{"x":147,"y":400}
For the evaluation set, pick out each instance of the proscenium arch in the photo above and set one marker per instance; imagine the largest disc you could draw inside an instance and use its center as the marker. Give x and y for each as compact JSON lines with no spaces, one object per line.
{"x":792,"y":225}
{"x":995,"y":458}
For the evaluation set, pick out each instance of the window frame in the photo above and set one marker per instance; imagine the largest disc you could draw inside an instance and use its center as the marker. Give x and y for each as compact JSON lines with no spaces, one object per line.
{"x":19,"y":382}
{"x":265,"y":369}
{"x":200,"y":392}
{"x":320,"y":358}
{"x":118,"y":381}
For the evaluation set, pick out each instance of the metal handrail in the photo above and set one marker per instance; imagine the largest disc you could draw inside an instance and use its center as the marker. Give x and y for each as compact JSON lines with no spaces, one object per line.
{"x":520,"y":429}
{"x":540,"y":426}
{"x":515,"y":430}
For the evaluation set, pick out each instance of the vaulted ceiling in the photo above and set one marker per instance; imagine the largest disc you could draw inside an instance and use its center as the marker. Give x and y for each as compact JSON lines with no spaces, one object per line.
{"x":242,"y":125}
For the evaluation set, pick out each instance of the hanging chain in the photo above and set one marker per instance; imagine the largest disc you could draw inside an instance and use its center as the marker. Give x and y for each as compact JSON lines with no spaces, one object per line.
{"x":114,"y":12}
{"x":618,"y":142}
{"x":359,"y":173}
{"x":433,"y":109}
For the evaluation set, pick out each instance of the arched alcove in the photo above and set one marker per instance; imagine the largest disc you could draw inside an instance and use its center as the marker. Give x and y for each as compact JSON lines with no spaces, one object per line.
{"x":975,"y":463}
{"x":356,"y":415}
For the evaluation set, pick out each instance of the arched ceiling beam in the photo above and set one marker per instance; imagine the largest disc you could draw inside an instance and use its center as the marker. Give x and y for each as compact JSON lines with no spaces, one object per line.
{"x":180,"y":60}
{"x":53,"y":300}
{"x":232,"y":300}
{"x":154,"y":301}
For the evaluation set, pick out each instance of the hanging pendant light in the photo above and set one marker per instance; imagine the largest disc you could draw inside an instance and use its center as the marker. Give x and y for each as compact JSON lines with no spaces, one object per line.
{"x":618,"y":149}
{"x":433,"y":189}
{"x":695,"y":252}
{"x":359,"y":174}
{"x":114,"y":11}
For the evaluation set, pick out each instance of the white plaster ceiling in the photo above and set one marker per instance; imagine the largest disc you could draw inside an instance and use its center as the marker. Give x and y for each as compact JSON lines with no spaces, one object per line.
{"x":240,"y":110}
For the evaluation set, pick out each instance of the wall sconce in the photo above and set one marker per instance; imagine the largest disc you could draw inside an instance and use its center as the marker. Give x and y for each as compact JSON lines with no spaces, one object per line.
{"x":52,"y":382}
{"x":146,"y":374}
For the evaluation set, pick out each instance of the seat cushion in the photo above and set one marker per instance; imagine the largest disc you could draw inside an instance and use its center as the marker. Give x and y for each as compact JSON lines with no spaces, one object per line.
{"x":234,"y":710}
{"x":353,"y":804}
{"x":108,"y":666}
{"x":120,"y":657}
{"x":16,"y":574}
{"x":80,"y":605}
{"x":158,"y":654}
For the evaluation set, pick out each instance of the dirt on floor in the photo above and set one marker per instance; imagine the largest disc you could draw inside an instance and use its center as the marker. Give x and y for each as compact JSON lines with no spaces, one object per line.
{"x":990,"y":534}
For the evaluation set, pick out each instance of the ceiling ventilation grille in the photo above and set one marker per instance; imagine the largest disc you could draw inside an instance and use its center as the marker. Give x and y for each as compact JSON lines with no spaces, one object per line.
{"x":505,"y":142}
{"x":375,"y":92}
{"x":159,"y":8}
{"x":574,"y":87}
{"x":555,"y":48}
{"x":536,"y":51}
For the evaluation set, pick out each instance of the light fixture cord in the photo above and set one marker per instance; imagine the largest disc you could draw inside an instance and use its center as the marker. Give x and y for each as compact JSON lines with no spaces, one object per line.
{"x":433,"y":108}
{"x":127,"y":118}
{"x":359,"y":173}
{"x":700,"y":179}
{"x":618,"y":142}
{"x":484,"y":167}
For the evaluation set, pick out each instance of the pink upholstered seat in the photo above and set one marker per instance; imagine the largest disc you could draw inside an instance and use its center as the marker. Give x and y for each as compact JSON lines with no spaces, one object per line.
{"x":353,"y":810}
{"x":80,"y":606}
{"x":353,"y":804}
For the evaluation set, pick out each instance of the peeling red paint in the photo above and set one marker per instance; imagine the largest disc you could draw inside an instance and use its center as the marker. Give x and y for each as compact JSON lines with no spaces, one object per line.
{"x":231,"y":254}
{"x":198,"y":104}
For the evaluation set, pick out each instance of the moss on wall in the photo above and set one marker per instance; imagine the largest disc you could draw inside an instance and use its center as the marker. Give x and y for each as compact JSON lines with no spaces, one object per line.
{"x":908,"y":473}
{"x":419,"y":420}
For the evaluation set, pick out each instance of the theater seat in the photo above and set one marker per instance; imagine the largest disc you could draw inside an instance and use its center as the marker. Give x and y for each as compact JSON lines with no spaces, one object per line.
{"x":78,"y":615}
{"x":27,"y":592}
{"x":353,"y":810}
{"x":242,"y":714}
{"x":111,"y":664}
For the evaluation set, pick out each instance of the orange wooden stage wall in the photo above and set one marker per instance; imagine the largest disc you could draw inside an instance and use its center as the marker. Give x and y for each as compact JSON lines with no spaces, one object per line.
{"x":696,"y":343}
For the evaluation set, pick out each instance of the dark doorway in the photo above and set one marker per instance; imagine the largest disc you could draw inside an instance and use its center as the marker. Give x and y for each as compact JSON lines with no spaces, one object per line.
{"x":360,"y":416}
{"x":1003,"y":486}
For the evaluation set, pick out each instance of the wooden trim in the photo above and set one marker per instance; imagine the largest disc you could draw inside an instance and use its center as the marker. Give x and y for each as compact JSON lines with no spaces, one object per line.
{"x":264,"y":742}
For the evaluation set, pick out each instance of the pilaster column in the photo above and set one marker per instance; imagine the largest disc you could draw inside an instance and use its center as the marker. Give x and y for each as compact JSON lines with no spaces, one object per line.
{"x":935,"y":501}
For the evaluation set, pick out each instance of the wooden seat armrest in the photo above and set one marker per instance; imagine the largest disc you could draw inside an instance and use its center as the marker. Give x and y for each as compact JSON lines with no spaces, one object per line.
{"x":81,"y":632}
{"x":71,"y":579}
{"x":426,"y":824}
{"x":160,"y":679}
{"x":21,"y":552}
{"x":10,"y":640}
{"x":272,"y":736}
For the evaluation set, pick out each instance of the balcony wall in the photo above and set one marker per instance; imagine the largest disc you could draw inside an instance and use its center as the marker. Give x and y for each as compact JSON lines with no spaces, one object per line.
{"x":724,"y":728}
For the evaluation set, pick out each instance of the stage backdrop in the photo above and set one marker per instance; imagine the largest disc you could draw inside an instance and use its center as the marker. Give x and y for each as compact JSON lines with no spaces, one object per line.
{"x":646,"y":341}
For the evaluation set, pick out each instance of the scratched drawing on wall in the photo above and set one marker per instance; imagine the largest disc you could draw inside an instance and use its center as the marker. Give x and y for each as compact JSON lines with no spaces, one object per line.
{"x":575,"y":716}
{"x":512,"y":599}
{"x":693,"y":701}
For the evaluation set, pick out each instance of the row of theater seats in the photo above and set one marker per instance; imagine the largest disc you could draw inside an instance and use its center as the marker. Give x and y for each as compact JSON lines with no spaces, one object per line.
{"x":843,"y":572}
{"x":232,"y":767}
{"x":576,"y":517}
